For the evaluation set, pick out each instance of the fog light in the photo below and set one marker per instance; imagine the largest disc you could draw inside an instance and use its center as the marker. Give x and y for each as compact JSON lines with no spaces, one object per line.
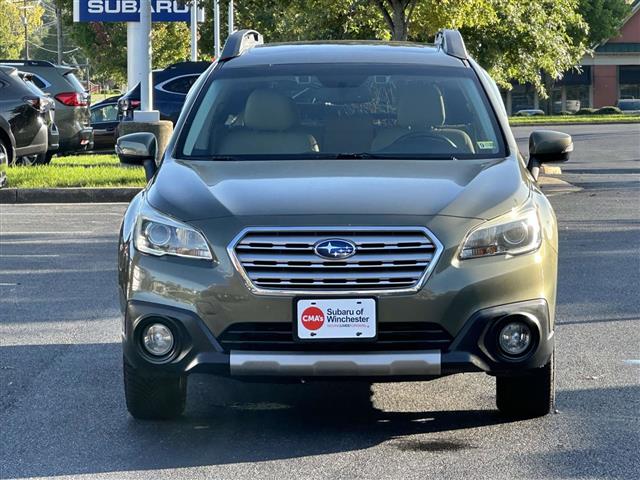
{"x":515,"y":338}
{"x":157,"y":339}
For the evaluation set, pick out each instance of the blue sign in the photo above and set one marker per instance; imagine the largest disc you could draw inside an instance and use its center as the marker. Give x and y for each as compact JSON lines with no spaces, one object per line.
{"x":129,"y":11}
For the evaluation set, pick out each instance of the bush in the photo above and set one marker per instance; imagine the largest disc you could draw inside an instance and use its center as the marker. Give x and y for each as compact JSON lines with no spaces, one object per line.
{"x":586,"y":111}
{"x":608,"y":111}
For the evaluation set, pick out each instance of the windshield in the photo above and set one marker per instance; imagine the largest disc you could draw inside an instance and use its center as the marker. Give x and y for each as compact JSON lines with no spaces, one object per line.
{"x":341,"y":111}
{"x":629,"y":105}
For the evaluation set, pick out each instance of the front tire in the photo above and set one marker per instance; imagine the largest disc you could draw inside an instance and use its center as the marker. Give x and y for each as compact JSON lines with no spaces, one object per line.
{"x":528,"y":395}
{"x":152,"y":396}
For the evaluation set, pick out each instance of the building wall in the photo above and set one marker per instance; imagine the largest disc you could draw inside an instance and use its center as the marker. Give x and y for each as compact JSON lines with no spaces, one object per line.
{"x":605,"y":77}
{"x":630,"y":31}
{"x":605,"y":85}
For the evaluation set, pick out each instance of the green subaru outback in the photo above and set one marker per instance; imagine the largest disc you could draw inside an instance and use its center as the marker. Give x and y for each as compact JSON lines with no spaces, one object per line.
{"x":352,"y":211}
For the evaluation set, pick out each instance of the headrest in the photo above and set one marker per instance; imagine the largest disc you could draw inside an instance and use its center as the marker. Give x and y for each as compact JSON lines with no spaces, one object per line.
{"x":269,"y":110}
{"x":420,"y":107}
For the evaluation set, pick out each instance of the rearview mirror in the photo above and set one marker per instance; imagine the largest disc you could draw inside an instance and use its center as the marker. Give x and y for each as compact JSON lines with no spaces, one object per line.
{"x":548,"y":146}
{"x":138,"y":149}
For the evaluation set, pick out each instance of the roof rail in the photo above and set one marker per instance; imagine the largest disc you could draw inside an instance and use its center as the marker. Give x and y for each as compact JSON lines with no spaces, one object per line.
{"x":451,"y":43}
{"x":32,"y":63}
{"x":239,"y":42}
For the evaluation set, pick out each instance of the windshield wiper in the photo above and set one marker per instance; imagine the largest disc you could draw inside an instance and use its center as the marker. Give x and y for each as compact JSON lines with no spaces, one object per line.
{"x":354,"y":156}
{"x":387,"y":156}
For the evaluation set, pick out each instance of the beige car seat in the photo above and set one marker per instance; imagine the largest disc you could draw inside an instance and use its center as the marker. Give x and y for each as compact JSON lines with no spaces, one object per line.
{"x":421,"y":109}
{"x":270,"y":119}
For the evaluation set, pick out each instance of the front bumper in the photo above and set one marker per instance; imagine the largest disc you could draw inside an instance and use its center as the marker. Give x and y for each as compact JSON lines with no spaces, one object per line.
{"x":474,"y":349}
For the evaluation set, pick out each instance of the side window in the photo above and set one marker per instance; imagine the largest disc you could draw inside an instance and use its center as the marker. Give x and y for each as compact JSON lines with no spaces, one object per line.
{"x":38,"y":82}
{"x":180,"y":84}
{"x":108,"y":113}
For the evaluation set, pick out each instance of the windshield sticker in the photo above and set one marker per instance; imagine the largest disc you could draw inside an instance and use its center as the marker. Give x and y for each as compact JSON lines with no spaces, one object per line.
{"x":486,"y":144}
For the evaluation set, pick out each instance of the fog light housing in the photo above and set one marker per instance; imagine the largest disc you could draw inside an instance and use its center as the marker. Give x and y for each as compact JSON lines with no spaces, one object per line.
{"x":157,"y":339}
{"x":515,"y":338}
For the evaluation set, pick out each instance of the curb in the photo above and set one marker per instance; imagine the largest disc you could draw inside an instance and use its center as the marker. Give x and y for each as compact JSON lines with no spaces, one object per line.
{"x":67,"y":195}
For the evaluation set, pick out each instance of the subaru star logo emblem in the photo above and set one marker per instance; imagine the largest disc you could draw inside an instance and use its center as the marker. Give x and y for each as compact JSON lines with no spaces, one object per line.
{"x":335,"y":249}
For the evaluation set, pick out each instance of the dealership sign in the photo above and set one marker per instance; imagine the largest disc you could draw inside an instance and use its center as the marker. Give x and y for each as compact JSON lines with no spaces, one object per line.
{"x":129,"y":11}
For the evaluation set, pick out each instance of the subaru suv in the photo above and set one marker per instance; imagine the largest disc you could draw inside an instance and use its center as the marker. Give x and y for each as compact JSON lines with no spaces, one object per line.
{"x":349,"y":210}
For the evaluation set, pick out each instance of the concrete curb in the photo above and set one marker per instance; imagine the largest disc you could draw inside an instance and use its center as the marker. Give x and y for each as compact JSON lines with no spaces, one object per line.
{"x":67,"y":195}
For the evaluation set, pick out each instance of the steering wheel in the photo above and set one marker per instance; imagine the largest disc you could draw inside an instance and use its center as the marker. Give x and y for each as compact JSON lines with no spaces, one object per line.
{"x":414,"y":142}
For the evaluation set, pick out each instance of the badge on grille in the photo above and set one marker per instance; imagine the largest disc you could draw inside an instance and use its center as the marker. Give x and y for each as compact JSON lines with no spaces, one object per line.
{"x":335,"y":249}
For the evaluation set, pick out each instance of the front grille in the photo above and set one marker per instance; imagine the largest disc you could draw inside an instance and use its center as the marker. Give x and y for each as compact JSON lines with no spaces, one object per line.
{"x":278,"y":336}
{"x":385,"y":259}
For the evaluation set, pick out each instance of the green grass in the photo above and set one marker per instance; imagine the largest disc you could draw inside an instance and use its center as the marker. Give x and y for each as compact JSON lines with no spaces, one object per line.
{"x":87,"y":160}
{"x":551,"y":119}
{"x":52,"y":176}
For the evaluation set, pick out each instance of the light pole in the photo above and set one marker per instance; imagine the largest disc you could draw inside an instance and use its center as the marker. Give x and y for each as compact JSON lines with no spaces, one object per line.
{"x":146,"y":112}
{"x":194,"y":31}
{"x":216,"y":27}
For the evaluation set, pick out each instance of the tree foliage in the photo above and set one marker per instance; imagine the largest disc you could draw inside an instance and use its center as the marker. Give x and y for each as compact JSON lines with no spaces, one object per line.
{"x":12,"y":28}
{"x":516,"y":40}
{"x":604,"y":18}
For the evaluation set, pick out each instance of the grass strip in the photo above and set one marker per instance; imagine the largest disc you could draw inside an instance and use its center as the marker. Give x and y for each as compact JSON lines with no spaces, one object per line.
{"x":88,"y":160}
{"x":577,"y":119}
{"x":53,"y":176}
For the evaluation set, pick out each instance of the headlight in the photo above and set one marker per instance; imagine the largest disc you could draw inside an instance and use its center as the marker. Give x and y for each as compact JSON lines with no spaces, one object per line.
{"x":158,"y":234}
{"x":512,"y":234}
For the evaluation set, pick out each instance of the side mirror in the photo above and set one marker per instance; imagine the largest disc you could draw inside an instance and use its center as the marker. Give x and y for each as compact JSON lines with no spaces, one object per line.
{"x":548,"y":146}
{"x":138,"y":149}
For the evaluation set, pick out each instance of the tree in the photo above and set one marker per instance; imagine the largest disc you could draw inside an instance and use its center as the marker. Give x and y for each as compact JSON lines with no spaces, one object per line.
{"x":523,"y":39}
{"x":513,"y":39}
{"x":12,"y":27}
{"x":603,"y":17}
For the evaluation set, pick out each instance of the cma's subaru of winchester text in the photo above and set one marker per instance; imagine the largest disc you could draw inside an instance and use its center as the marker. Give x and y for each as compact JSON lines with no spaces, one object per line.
{"x":350,"y":210}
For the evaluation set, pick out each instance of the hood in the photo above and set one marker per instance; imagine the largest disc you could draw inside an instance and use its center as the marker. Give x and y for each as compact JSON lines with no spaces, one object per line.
{"x":461,"y":188}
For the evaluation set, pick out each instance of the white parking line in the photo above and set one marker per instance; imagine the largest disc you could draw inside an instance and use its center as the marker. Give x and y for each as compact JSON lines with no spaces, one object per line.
{"x":82,"y":232}
{"x":30,"y":255}
{"x":632,"y":362}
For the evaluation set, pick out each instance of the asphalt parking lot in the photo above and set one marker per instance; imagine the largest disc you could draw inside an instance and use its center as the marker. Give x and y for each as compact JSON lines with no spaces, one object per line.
{"x":62,"y":409}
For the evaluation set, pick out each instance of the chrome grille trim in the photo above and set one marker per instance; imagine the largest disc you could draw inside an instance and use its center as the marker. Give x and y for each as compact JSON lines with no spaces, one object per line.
{"x":280,"y":260}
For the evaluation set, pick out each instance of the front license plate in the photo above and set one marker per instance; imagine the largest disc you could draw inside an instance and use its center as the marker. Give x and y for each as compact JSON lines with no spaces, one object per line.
{"x":336,"y":318}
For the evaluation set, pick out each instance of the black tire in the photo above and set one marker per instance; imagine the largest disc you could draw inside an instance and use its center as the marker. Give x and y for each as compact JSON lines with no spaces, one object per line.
{"x":528,"y":395}
{"x":154,"y":397}
{"x":44,"y":158}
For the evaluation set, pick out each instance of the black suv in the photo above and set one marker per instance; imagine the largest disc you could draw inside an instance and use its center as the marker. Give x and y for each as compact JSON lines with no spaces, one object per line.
{"x":170,"y":88}
{"x":24,"y":120}
{"x":72,"y":101}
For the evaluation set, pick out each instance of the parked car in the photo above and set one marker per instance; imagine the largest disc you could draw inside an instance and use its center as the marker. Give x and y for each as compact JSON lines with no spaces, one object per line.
{"x":72,"y":101}
{"x":529,"y":112}
{"x":170,"y":88}
{"x":388,"y":230}
{"x":23,"y":120}
{"x":629,"y":105}
{"x":53,"y":136}
{"x":104,"y":120}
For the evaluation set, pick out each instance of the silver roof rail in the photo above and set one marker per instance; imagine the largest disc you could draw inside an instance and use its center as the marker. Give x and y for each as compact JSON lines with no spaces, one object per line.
{"x":451,"y":43}
{"x":239,"y":42}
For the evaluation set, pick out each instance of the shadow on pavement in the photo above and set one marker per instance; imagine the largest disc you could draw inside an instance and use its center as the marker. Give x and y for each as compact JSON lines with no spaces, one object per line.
{"x":70,"y":418}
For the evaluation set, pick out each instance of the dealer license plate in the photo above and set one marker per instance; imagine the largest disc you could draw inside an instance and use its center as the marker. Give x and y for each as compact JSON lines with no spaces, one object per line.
{"x":343,"y":318}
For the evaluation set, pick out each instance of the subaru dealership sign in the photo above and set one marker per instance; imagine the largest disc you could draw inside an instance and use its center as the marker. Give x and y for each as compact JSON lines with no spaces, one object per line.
{"x":129,"y":11}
